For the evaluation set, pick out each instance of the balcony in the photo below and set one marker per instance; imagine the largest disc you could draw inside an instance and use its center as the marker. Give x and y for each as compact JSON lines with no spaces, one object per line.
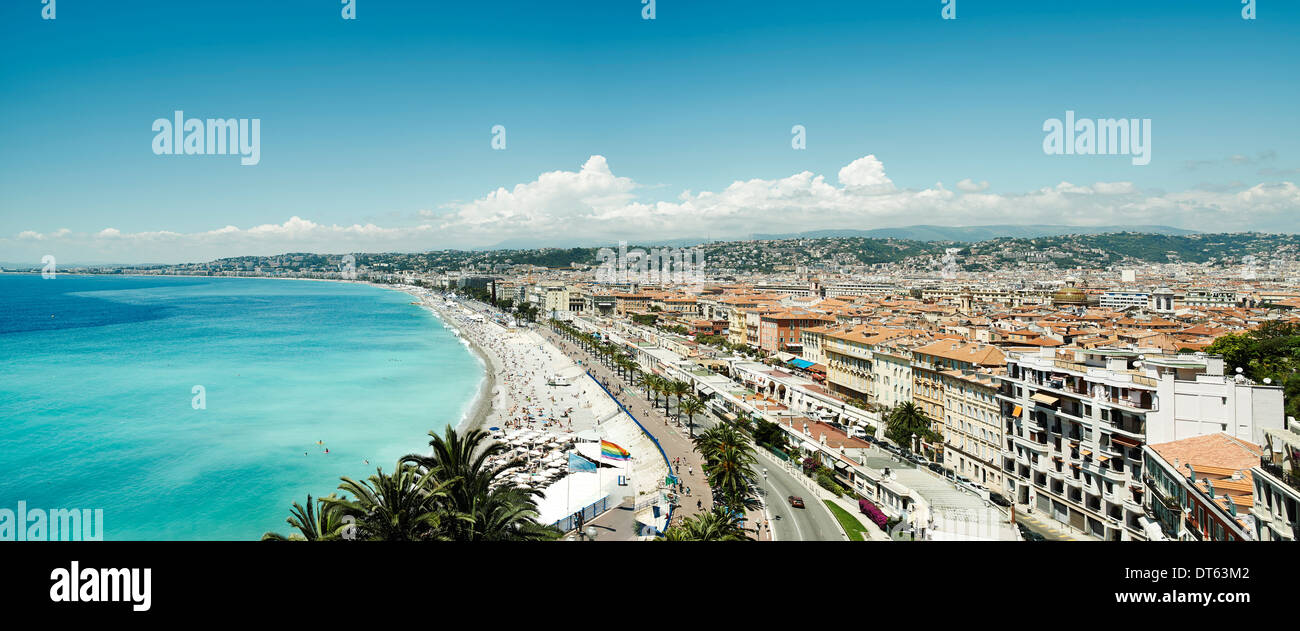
{"x":1128,"y":402}
{"x":1278,"y":472}
{"x":1161,"y":495}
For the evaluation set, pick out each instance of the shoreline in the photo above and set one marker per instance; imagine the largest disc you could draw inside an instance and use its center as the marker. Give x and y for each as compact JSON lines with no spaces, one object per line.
{"x":477,"y":415}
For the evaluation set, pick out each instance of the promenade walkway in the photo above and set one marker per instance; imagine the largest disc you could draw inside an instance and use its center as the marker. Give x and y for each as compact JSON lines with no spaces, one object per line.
{"x":674,"y":438}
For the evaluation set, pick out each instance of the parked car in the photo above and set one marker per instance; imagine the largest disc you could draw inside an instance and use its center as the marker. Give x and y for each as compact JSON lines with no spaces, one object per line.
{"x":796,"y":501}
{"x":997,"y":498}
{"x":935,"y":467}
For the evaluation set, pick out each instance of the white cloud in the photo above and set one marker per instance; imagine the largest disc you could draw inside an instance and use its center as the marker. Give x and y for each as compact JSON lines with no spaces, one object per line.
{"x":866,"y":173}
{"x":595,"y":206}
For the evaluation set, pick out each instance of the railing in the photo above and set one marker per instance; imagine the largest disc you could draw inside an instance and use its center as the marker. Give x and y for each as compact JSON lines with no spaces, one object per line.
{"x":589,"y":512}
{"x":668,"y":463}
{"x":1278,"y":472}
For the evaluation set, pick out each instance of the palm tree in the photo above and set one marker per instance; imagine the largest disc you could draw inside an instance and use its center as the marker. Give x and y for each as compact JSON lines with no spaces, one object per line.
{"x":905,"y":420}
{"x":728,"y":461}
{"x":652,"y":387}
{"x":691,"y":407}
{"x":313,"y":524}
{"x":402,"y":506}
{"x":679,"y":390}
{"x":720,"y":524}
{"x":486,"y":504}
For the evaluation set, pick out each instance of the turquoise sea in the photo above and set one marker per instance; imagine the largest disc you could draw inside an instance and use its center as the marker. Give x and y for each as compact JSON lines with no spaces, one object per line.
{"x":97,"y":377}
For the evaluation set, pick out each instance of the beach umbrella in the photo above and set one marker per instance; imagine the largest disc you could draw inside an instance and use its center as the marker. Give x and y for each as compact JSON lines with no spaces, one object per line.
{"x":588,"y":435}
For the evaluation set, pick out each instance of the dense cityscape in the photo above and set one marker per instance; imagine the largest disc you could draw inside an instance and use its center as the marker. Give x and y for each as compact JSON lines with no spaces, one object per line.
{"x":1149,"y":398}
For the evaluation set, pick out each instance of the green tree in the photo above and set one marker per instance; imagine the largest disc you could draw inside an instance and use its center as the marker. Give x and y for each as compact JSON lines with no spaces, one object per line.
{"x":401,"y":506}
{"x":678,"y":389}
{"x":728,"y":464}
{"x":720,"y":524}
{"x":319,"y":521}
{"x":771,"y":434}
{"x":691,"y":407}
{"x":1271,"y":351}
{"x":478,"y":495}
{"x":907,"y":419}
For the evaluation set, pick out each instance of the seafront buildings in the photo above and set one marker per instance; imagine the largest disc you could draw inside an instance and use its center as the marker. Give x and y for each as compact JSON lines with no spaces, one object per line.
{"x":1083,"y":399}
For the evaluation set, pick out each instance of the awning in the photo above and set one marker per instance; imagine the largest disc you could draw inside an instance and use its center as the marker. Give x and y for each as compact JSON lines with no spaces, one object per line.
{"x":1044,"y":399}
{"x":800,"y":363}
{"x":1125,"y":440}
{"x":1016,"y":412}
{"x":809,"y":445}
{"x":1086,"y":452}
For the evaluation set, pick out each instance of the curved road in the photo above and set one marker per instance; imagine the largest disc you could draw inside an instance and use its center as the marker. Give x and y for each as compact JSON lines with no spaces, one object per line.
{"x":814,"y":522}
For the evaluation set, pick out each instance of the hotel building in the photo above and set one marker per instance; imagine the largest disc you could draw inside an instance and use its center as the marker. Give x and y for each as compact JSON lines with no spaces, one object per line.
{"x":1076,"y":423}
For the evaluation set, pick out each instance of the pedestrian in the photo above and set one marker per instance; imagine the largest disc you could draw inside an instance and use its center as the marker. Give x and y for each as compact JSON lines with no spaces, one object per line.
{"x":699,"y":504}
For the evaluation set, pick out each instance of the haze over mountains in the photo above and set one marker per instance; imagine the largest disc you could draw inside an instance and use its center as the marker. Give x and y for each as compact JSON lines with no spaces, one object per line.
{"x":964,"y":234}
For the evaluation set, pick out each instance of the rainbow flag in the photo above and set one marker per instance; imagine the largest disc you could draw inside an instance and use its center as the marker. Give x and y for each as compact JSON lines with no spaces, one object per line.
{"x":612,"y":451}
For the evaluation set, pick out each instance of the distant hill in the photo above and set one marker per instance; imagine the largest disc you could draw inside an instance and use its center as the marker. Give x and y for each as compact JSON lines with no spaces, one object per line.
{"x":973,"y":234}
{"x":533,"y":244}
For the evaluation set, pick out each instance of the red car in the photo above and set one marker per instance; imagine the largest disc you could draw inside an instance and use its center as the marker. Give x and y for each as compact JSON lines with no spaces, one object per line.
{"x":796,"y":501}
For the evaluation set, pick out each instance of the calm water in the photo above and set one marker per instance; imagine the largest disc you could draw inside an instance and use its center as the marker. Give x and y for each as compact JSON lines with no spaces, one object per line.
{"x":96,"y":379}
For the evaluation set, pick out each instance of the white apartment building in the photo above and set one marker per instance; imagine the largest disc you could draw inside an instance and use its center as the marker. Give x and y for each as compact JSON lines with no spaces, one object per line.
{"x":1076,"y":424}
{"x":851,"y":288}
{"x":1118,"y":299}
{"x":1277,"y":486}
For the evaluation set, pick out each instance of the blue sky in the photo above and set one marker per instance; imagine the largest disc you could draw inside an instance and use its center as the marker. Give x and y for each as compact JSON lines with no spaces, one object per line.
{"x":375,"y":132}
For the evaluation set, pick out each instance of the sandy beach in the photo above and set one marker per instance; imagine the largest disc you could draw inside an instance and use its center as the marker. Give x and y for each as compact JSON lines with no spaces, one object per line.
{"x":534,"y":394}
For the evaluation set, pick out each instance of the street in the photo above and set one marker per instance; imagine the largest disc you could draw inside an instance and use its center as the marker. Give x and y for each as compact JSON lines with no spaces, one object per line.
{"x":814,"y":522}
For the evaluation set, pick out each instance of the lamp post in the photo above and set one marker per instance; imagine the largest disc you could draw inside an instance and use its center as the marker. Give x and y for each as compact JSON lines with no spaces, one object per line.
{"x":591,"y":533}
